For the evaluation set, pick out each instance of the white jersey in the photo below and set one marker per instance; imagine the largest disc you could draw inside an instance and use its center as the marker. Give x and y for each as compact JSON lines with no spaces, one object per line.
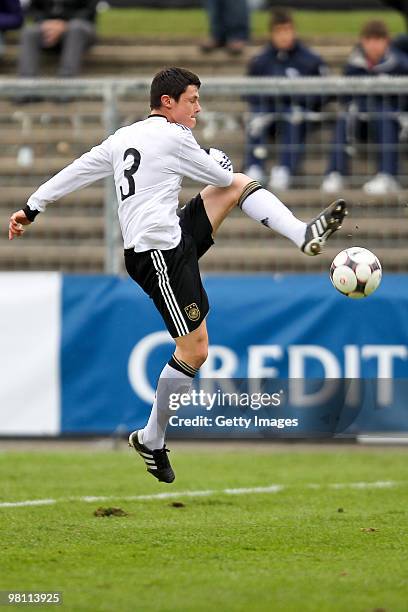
{"x":148,"y":160}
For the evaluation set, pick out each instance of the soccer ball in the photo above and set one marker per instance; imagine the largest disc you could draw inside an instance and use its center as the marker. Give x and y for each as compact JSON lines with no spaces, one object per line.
{"x":356,"y":272}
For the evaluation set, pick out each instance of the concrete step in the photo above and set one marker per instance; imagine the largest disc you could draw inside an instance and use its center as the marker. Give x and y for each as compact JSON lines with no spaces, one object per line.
{"x":64,"y":137}
{"x":256,"y":257}
{"x":75,"y":228}
{"x":237,"y":228}
{"x":88,"y":199}
{"x":51,"y":136}
{"x":17,"y":255}
{"x":311,"y":173}
{"x":92,"y":198}
{"x":42,"y":166}
{"x":129,"y":109}
{"x":146,"y":59}
{"x":259,"y":258}
{"x":312,"y":40}
{"x":31,"y":132}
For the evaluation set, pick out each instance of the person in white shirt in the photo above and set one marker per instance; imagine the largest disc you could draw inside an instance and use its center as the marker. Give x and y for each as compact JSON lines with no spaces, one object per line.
{"x":148,"y":161}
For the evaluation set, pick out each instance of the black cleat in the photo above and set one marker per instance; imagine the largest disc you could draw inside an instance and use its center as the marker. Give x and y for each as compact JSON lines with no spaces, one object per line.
{"x":323,"y":226}
{"x":156,"y":461}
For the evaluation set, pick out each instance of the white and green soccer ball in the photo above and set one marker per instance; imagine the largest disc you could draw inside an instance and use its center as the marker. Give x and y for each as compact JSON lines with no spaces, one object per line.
{"x":356,"y":272}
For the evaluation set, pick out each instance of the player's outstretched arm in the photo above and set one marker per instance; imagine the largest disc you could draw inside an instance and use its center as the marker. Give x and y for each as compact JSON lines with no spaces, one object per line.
{"x":16,"y":224}
{"x":90,"y":167}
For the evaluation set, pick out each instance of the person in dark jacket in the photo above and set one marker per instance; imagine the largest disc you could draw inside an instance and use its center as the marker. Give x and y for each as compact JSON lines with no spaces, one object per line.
{"x":400,"y":42}
{"x":374,"y":117}
{"x":11,"y":18}
{"x":67,"y":26}
{"x":284,"y":56}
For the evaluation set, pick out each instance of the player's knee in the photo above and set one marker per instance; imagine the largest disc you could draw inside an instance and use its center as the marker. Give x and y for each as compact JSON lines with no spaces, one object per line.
{"x":239,"y":184}
{"x":202,"y":353}
{"x":244,"y":186}
{"x":240,"y":181}
{"x":196,"y":353}
{"x":199,"y":353}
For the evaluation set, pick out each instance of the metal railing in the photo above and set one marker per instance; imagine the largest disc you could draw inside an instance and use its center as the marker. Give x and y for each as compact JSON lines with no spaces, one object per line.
{"x":225,"y":123}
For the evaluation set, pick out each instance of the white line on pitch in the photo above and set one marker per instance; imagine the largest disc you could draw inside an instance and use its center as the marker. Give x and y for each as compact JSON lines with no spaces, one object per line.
{"x":379,"y":484}
{"x":29,"y":502}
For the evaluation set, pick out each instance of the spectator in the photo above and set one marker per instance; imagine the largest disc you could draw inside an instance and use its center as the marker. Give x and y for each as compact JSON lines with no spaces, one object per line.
{"x":11,"y":18}
{"x":401,"y":42}
{"x":284,"y":56}
{"x":66,"y":26}
{"x":229,"y":25}
{"x":375,"y":116}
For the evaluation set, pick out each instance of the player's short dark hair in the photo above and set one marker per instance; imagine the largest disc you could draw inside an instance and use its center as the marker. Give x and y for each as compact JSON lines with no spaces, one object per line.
{"x":171,"y":82}
{"x":280,"y":16}
{"x":374,"y":29}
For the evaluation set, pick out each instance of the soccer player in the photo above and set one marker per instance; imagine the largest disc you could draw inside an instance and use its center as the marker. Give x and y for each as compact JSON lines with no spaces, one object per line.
{"x":148,"y":161}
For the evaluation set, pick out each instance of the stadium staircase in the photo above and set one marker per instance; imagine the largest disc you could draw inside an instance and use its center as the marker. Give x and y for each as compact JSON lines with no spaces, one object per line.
{"x":39,"y":139}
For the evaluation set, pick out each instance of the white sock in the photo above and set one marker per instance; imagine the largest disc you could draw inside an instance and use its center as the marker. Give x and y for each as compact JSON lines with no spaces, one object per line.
{"x":171,"y":380}
{"x":266,"y":208}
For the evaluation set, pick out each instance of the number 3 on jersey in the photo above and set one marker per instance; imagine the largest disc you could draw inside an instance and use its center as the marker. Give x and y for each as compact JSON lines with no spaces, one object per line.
{"x":130,"y":172}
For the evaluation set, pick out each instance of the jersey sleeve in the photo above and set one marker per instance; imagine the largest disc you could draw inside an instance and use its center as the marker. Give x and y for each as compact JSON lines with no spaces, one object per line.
{"x":195,"y":163}
{"x":90,"y":167}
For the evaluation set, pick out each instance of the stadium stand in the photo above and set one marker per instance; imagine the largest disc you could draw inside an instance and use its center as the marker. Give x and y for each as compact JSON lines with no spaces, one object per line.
{"x":71,"y":236}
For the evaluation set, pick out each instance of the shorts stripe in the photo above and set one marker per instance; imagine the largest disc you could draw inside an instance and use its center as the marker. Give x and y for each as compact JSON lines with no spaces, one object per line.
{"x":164,"y":286}
{"x":163,"y":292}
{"x":167,"y":293}
{"x":177,"y":307}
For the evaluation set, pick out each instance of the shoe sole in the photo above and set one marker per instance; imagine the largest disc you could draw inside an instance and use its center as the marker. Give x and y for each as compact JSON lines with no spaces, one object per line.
{"x":335,"y":222}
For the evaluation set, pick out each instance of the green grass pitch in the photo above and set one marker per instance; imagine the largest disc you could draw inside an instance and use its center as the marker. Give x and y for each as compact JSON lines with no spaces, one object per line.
{"x":309,"y":546}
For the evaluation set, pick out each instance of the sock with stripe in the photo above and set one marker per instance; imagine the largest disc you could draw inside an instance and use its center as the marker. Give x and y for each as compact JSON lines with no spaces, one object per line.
{"x":176,"y":377}
{"x":263,"y":206}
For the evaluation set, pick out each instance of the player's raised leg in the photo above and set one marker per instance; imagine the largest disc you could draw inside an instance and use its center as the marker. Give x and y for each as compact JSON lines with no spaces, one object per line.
{"x":256,"y":202}
{"x":175,"y":379}
{"x":264,"y":207}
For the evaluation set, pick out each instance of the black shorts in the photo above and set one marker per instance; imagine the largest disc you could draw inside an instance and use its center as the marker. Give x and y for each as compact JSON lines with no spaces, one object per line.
{"x":171,"y":278}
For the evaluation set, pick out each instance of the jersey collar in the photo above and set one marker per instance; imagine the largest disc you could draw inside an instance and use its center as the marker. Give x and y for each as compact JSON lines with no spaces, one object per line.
{"x":156,"y":115}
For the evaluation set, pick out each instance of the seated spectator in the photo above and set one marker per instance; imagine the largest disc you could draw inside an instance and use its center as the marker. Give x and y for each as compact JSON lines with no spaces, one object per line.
{"x":229,"y":25}
{"x":400,"y":42}
{"x":374,"y":117}
{"x":284,"y":56}
{"x":11,"y":18}
{"x":66,"y":26}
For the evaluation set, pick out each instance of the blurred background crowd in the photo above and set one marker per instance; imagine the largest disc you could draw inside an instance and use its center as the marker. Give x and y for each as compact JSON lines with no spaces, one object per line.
{"x":306,"y":145}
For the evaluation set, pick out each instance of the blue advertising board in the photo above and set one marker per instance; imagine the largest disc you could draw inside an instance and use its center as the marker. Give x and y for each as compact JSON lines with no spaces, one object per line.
{"x":286,"y":327}
{"x":87,"y":359}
